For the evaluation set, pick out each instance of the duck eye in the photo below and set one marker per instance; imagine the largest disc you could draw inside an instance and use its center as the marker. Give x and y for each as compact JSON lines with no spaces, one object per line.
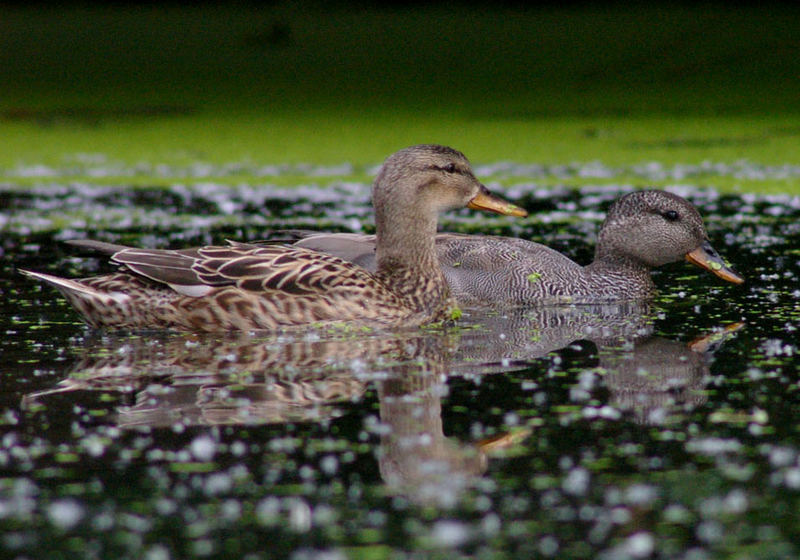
{"x":670,"y":215}
{"x":449,"y":168}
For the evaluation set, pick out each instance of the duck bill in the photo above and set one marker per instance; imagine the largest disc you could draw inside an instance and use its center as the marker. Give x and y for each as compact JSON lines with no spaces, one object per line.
{"x":489,"y":202}
{"x":706,"y":257}
{"x":711,"y":342}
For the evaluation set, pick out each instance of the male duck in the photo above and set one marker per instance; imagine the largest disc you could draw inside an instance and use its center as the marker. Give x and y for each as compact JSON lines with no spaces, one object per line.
{"x":244,"y":287}
{"x":642,"y":230}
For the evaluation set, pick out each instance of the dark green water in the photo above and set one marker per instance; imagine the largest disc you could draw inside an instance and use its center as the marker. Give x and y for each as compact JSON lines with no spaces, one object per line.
{"x":586,"y":432}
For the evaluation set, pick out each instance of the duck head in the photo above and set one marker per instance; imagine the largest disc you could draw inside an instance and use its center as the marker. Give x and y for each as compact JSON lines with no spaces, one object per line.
{"x":652,"y":228}
{"x":417,"y":183}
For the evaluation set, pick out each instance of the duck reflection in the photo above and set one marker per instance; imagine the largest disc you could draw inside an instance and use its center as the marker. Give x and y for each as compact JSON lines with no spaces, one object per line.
{"x":649,"y":376}
{"x":241,"y":379}
{"x":247,"y":379}
{"x":415,"y":457}
{"x":658,"y":377}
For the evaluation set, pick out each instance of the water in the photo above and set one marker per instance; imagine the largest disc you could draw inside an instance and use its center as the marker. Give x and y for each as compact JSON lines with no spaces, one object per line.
{"x":667,"y":430}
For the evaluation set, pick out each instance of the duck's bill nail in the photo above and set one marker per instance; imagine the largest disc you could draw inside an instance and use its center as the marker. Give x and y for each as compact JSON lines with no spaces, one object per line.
{"x":706,"y":257}
{"x":487,"y":201}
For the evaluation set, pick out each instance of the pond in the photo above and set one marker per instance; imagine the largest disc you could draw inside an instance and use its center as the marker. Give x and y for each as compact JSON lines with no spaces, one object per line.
{"x":627,"y":431}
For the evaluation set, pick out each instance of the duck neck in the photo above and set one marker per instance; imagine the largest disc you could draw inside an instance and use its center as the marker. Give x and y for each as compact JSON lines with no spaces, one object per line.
{"x":623,"y":276}
{"x":407,"y":261}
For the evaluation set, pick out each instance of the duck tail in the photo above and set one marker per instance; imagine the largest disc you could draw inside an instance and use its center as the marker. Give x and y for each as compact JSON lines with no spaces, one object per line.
{"x":64,"y":285}
{"x":98,"y":307}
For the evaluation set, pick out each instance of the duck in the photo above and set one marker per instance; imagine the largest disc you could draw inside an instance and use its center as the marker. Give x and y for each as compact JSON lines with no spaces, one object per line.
{"x":240,"y":286}
{"x":642,"y":230}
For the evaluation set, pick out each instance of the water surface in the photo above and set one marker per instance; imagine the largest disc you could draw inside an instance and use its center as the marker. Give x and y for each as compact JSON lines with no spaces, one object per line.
{"x":667,"y":430}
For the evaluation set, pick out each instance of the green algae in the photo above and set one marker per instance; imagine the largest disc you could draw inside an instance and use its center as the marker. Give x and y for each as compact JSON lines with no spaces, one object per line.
{"x":204,"y":85}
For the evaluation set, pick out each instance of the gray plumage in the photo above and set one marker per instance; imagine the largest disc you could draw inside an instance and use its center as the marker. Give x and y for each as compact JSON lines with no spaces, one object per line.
{"x":642,"y":230}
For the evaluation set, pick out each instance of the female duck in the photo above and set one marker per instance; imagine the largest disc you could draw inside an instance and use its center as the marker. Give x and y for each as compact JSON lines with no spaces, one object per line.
{"x":243,"y":287}
{"x":642,"y":230}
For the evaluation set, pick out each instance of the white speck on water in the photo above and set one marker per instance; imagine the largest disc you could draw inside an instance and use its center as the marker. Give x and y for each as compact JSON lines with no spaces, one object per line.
{"x":35,"y":171}
{"x":299,"y":516}
{"x":791,"y":478}
{"x":65,"y":514}
{"x":596,"y":170}
{"x":307,"y":472}
{"x":713,"y":446}
{"x":94,"y":445}
{"x":20,"y":502}
{"x":548,"y":546}
{"x":203,"y":448}
{"x":641,"y":494}
{"x":735,"y":503}
{"x":137,"y":523}
{"x":217,"y":483}
{"x":491,"y":525}
{"x":156,"y":552}
{"x":450,"y":533}
{"x":231,"y":510}
{"x":781,"y":456}
{"x":238,"y":449}
{"x":268,"y":511}
{"x":710,"y":531}
{"x":329,"y":464}
{"x":776,"y":347}
{"x":639,"y":545}
{"x":373,"y":425}
{"x":576,"y":482}
{"x":605,"y":411}
{"x":165,"y":506}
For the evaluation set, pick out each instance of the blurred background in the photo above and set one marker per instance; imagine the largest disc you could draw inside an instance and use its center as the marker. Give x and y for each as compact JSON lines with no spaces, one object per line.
{"x":329,"y":82}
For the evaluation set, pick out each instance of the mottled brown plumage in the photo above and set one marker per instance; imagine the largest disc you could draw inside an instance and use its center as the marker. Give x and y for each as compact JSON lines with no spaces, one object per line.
{"x":246,"y":287}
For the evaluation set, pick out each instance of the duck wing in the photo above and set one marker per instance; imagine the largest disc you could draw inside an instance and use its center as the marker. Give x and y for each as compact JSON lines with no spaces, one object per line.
{"x":357,"y":248}
{"x":167,"y":266}
{"x":293,"y":270}
{"x":255,"y":267}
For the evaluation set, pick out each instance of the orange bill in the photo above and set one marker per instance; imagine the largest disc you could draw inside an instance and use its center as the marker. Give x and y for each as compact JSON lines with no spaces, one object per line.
{"x":503,"y":441}
{"x":706,"y":257}
{"x":487,"y":201}
{"x":710,"y":342}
